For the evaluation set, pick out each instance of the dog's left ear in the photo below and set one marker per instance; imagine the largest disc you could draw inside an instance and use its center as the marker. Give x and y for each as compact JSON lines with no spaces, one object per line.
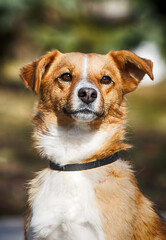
{"x":33,"y":72}
{"x":132,"y":68}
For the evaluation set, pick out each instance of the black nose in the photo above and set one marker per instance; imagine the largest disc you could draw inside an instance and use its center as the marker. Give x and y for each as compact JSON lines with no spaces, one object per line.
{"x":87,"y":95}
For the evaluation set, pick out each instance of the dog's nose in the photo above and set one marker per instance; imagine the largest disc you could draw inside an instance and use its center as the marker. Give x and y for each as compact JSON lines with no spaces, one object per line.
{"x":87,"y":95}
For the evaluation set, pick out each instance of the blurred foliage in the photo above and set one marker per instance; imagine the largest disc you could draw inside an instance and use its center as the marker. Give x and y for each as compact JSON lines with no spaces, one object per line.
{"x":28,"y":29}
{"x":72,"y":26}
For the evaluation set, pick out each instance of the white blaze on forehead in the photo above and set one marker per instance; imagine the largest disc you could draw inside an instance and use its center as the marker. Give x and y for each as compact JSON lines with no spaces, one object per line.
{"x":84,"y":81}
{"x":77,"y":103}
{"x":84,"y":73}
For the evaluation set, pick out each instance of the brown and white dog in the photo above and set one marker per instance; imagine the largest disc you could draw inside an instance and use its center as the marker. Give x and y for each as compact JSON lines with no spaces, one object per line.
{"x":80,"y":118}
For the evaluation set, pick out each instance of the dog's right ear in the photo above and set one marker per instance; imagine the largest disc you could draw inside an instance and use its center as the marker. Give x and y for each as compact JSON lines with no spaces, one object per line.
{"x":33,"y":72}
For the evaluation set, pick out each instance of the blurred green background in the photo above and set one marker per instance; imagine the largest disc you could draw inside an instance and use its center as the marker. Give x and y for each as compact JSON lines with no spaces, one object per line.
{"x":30,"y":28}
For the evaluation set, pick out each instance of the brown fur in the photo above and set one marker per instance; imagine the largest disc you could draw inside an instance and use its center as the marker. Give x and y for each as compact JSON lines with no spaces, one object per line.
{"x":26,"y":222}
{"x":127,"y":207}
{"x":116,"y":185}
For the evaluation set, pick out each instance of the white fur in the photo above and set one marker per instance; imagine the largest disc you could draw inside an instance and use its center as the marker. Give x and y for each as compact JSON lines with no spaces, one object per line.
{"x":65,"y":145}
{"x":85,"y":67}
{"x":64,"y":209}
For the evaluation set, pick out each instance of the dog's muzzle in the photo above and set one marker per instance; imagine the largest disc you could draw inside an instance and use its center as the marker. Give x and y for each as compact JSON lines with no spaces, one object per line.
{"x":84,"y":104}
{"x":83,"y":115}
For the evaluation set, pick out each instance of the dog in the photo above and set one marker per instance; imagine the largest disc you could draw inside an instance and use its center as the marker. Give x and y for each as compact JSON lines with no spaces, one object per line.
{"x":87,"y":192}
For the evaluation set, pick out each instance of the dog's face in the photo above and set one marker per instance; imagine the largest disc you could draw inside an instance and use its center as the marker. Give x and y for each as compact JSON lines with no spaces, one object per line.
{"x":85,"y":86}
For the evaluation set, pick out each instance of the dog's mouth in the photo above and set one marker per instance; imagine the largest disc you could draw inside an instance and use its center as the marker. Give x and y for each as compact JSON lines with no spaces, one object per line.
{"x":85,"y":114}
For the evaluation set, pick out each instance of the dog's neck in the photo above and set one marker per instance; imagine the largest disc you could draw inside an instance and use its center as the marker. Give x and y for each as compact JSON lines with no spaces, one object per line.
{"x":77,"y":142}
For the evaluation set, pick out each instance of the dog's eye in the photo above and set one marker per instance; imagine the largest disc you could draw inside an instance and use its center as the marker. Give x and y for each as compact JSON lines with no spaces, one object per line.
{"x":67,"y":77}
{"x":106,"y":80}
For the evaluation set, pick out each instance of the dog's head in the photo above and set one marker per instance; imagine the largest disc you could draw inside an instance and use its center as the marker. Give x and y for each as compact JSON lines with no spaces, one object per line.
{"x":85,"y":87}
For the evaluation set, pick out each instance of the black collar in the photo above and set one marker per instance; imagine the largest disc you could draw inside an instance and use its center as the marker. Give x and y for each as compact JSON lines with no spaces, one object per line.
{"x":85,"y":166}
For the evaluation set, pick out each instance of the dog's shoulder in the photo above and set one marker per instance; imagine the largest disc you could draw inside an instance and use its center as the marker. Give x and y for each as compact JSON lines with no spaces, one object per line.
{"x":118,"y":176}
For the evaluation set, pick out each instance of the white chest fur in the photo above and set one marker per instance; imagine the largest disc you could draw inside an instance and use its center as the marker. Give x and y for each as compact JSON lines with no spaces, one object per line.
{"x":64,"y":209}
{"x":72,"y":144}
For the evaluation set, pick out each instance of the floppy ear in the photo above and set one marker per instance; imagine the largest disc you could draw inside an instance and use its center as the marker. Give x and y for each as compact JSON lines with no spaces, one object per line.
{"x":33,"y":72}
{"x":132,"y":68}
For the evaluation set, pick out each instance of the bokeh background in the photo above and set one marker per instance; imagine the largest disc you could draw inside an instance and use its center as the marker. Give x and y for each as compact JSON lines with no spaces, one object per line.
{"x":30,"y":28}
